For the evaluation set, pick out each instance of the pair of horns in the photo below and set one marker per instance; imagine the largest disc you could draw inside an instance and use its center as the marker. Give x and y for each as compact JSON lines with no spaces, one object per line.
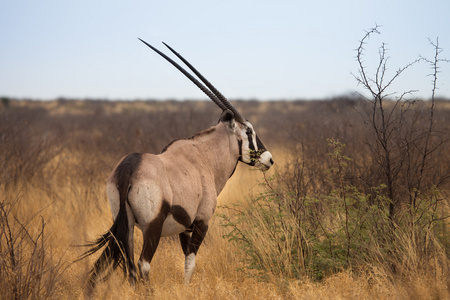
{"x":209,"y":89}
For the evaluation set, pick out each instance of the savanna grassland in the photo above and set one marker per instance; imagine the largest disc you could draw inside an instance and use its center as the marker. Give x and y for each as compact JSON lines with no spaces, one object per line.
{"x":355,"y":207}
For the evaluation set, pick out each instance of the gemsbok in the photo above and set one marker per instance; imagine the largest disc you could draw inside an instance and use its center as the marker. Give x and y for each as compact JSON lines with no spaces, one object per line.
{"x":174,"y":192}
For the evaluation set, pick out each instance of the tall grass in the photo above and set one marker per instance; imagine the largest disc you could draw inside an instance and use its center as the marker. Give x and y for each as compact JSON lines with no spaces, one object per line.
{"x":28,"y":266}
{"x":58,"y":201}
{"x":318,"y":235}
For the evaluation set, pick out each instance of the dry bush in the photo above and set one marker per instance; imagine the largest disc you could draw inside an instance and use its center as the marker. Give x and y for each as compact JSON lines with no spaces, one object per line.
{"x":26,"y":146}
{"x":316,"y":236}
{"x":28,"y":267}
{"x":382,"y":202}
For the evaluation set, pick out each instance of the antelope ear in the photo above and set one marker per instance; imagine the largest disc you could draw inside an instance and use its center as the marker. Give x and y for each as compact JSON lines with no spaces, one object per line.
{"x":227,"y":118}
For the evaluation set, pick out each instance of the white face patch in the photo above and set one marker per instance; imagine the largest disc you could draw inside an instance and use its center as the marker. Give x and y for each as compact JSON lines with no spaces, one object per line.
{"x":248,"y":138}
{"x":265,"y":161}
{"x":250,"y":148}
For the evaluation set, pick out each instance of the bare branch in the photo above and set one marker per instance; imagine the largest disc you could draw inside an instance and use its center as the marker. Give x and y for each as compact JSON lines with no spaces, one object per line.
{"x":363,"y":79}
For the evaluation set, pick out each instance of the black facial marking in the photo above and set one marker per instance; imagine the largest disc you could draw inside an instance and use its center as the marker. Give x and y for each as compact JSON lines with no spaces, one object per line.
{"x":251,"y":146}
{"x":240,"y":149}
{"x":257,"y":154}
{"x":180,"y":215}
{"x":261,"y":147}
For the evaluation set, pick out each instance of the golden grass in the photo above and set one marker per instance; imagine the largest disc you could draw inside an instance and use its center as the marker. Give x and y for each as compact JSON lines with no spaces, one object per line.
{"x":76,"y":210}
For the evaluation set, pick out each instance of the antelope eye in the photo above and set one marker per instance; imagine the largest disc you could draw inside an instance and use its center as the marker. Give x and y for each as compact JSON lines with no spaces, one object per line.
{"x":249,"y":131}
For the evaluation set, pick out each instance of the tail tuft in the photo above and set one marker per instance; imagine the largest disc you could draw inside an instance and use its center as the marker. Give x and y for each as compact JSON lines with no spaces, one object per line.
{"x":116,"y":254}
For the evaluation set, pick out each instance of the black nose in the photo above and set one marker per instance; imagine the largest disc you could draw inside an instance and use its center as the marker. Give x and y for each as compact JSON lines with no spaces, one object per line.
{"x":271,"y":161}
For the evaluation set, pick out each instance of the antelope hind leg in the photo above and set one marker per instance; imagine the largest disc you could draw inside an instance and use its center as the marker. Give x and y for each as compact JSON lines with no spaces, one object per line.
{"x":190,"y":250}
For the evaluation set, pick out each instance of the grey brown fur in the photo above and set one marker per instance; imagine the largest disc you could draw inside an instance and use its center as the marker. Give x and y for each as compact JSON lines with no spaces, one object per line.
{"x":175,"y":192}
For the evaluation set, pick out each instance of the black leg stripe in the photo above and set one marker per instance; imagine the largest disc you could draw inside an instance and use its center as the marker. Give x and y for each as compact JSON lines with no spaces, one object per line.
{"x":180,"y":215}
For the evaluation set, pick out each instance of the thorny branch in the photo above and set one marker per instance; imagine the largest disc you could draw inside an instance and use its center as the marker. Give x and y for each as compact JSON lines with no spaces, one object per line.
{"x":397,"y":147}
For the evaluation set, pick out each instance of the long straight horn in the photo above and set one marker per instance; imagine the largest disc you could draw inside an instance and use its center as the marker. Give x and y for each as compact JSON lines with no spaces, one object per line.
{"x":213,"y":97}
{"x":219,"y":95}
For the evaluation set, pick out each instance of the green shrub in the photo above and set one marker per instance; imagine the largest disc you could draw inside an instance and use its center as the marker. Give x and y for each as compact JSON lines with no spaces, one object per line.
{"x":318,"y":235}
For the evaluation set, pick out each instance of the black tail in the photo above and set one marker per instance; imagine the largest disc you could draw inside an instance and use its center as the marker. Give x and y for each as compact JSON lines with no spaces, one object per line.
{"x":117,"y":251}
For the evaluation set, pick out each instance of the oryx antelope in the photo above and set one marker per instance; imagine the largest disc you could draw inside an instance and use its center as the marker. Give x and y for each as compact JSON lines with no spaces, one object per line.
{"x":175,"y":192}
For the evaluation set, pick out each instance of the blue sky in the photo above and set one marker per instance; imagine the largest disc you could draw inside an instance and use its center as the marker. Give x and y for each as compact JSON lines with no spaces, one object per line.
{"x":247,"y":49}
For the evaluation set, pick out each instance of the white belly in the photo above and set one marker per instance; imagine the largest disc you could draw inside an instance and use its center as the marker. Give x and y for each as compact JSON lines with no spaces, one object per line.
{"x":172,"y":227}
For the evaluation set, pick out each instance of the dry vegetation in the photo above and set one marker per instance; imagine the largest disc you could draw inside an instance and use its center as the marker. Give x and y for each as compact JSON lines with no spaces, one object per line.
{"x":55,"y":157}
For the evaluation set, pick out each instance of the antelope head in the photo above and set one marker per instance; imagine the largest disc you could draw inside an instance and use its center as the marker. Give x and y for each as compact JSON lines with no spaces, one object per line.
{"x":251,"y":150}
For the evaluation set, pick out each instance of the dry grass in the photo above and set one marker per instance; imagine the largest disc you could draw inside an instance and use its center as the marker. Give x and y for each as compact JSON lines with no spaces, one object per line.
{"x":72,"y":201}
{"x":76,"y":212}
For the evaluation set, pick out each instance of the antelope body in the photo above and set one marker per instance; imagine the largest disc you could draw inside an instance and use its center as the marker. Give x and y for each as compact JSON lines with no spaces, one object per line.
{"x":175,"y":192}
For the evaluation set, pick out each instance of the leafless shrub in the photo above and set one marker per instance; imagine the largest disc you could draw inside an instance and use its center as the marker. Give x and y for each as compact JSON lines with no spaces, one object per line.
{"x":405,"y":142}
{"x":28,"y":268}
{"x":379,"y":202}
